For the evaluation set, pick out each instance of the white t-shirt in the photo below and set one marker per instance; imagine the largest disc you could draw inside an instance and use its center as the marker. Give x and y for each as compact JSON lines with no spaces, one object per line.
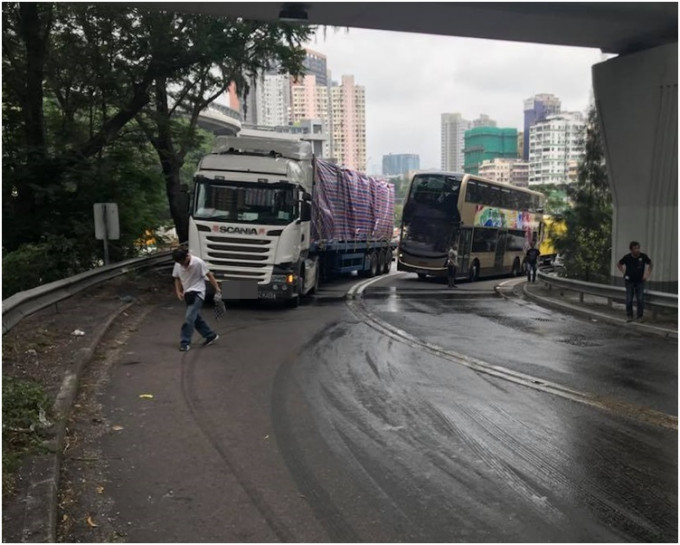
{"x":192,"y":276}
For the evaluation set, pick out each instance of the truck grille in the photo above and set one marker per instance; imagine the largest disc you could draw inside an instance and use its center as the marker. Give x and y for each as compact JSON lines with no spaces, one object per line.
{"x":232,"y":258}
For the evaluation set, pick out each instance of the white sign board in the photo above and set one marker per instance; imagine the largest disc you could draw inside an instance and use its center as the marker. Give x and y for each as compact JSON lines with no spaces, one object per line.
{"x":106,"y":221}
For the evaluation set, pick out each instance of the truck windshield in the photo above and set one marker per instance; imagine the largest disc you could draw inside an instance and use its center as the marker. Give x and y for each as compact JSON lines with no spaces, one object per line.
{"x":271,"y":204}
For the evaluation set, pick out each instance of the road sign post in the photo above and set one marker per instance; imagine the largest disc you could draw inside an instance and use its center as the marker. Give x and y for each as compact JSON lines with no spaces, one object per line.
{"x":106,"y":226}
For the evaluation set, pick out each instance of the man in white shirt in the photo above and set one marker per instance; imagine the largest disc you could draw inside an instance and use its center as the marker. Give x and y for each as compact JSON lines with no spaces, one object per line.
{"x":190,"y":273}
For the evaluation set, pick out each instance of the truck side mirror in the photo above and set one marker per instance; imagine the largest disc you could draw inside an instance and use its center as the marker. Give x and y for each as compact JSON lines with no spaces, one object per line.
{"x":305,"y":211}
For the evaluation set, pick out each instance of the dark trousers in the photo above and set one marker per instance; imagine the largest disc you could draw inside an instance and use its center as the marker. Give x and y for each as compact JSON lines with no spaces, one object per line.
{"x":635,"y":289}
{"x":531,"y":271}
{"x":451,"y":273}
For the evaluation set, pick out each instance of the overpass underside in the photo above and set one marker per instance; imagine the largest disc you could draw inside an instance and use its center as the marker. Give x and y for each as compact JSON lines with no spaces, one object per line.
{"x":637,"y":101}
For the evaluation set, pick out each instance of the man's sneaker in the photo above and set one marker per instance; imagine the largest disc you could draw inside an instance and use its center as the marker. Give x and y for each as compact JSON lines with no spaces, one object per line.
{"x":184,"y":347}
{"x":211,"y":340}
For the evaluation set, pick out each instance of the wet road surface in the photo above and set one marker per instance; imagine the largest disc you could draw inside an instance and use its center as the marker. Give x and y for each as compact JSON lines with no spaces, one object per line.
{"x":343,"y":422}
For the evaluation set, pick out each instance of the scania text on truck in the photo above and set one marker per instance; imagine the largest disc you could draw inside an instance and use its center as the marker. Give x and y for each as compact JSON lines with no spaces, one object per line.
{"x":272,"y":221}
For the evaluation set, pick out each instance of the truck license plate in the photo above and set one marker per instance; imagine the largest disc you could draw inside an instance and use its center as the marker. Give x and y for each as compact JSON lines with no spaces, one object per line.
{"x":239,"y":289}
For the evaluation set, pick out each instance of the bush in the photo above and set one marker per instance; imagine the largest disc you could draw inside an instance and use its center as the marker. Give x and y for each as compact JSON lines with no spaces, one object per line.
{"x":32,"y":265}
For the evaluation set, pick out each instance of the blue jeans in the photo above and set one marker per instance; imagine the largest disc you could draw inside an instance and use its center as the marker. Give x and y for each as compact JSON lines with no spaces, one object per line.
{"x":636,"y":288}
{"x":193,"y":319}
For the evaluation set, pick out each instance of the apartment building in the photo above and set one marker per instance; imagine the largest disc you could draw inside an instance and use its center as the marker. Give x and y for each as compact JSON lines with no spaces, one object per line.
{"x":348,"y":123}
{"x":509,"y":171}
{"x":556,"y":146}
{"x":399,"y":163}
{"x":536,"y":110}
{"x":453,"y":128}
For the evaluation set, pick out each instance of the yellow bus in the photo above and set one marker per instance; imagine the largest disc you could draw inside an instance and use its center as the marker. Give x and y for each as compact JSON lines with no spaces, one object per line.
{"x":553,"y":228}
{"x":491,"y":223}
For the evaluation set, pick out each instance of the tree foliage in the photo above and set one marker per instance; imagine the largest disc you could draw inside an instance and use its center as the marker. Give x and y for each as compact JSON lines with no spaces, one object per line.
{"x":586,"y":244}
{"x":100,"y":104}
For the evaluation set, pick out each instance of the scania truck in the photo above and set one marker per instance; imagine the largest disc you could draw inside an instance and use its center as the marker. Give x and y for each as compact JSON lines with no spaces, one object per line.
{"x":272,"y":221}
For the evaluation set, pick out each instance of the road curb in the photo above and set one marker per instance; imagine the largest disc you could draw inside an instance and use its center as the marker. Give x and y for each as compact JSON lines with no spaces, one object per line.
{"x":42,"y":491}
{"x":585,"y":311}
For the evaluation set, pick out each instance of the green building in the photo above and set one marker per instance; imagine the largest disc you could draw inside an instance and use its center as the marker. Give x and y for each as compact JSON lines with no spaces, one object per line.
{"x":482,"y":143}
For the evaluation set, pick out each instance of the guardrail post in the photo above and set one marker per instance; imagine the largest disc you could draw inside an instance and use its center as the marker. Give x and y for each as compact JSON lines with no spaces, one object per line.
{"x":580,"y":297}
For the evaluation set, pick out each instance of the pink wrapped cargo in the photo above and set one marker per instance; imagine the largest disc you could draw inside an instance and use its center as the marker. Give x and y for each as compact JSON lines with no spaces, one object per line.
{"x":350,"y":206}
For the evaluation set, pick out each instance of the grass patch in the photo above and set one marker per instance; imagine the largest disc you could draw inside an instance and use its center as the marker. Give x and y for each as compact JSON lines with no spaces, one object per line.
{"x":25,"y":419}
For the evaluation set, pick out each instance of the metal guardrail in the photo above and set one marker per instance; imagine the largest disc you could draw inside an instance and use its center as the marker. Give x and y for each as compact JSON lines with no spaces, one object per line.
{"x":656,"y":299}
{"x":27,"y":302}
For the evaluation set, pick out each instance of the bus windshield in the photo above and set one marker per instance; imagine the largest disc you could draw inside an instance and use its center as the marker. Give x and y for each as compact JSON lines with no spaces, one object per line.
{"x":430,"y":214}
{"x":270,"y":204}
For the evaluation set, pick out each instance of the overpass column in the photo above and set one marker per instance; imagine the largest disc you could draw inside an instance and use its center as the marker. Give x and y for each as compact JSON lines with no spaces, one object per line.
{"x":637,"y":101}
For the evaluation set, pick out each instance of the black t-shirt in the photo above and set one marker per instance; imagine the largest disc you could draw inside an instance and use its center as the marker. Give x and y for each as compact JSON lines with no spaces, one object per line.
{"x":532,"y":255}
{"x":635,"y":266}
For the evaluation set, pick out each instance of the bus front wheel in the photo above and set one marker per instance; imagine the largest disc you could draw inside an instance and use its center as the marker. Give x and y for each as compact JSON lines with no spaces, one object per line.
{"x":474,"y":272}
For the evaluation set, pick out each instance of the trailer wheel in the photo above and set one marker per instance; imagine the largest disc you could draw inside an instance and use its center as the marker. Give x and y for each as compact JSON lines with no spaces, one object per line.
{"x":388,"y":261}
{"x":381,"y":263}
{"x":374,"y":264}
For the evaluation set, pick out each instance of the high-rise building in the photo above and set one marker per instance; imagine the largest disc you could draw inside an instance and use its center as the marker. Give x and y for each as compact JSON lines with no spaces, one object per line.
{"x":488,"y":143}
{"x":310,"y":101}
{"x":348,"y":123}
{"x":399,"y":163}
{"x":453,"y":141}
{"x":509,"y":171}
{"x":483,"y":121}
{"x":537,"y":109}
{"x":315,"y":65}
{"x":272,"y":100}
{"x":556,"y":146}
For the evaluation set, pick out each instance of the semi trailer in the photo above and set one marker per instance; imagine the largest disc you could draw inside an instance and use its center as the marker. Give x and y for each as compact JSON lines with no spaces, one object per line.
{"x":272,"y":221}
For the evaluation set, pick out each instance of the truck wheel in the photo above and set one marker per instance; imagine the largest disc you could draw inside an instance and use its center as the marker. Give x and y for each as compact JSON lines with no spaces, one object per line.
{"x":317,"y":276}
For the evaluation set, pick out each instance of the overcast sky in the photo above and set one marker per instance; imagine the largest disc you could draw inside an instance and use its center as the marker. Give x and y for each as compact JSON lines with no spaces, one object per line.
{"x":411,"y":79}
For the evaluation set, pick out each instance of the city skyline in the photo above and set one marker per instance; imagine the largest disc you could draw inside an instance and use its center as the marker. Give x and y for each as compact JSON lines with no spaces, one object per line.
{"x":433,"y":76}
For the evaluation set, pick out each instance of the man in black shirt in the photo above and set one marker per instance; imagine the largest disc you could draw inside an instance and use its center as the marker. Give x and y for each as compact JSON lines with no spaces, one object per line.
{"x":531,"y":261}
{"x":638,"y":267}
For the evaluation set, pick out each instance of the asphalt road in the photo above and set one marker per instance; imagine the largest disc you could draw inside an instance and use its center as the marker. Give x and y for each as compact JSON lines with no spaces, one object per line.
{"x":424,"y":418}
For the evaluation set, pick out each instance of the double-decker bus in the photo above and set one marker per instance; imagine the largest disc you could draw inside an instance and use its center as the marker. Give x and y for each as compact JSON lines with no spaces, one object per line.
{"x":491,"y":223}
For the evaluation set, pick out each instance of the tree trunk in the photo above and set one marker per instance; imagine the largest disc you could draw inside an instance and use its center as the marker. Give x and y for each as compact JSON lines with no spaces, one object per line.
{"x":171,"y":163}
{"x":34,"y":31}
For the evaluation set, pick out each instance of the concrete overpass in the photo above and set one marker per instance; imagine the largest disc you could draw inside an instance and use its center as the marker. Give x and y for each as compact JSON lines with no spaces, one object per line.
{"x":636,"y":93}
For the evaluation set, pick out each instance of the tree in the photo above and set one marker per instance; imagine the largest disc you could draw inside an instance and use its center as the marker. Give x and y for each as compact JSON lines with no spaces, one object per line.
{"x":234,"y":51}
{"x":586,"y":244}
{"x":75,"y":75}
